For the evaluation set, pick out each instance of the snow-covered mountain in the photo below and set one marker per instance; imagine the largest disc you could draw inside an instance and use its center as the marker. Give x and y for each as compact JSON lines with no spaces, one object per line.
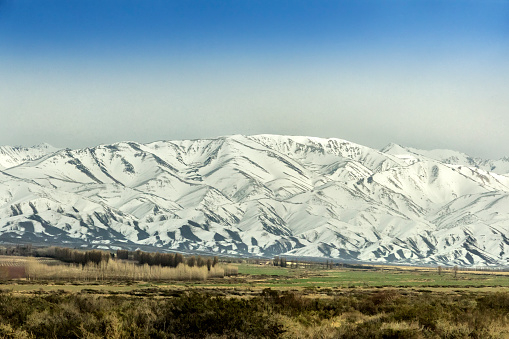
{"x":261,"y":195}
{"x":13,"y":156}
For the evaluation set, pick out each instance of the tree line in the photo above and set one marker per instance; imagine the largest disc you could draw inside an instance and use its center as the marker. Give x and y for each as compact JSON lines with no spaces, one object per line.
{"x":167,"y":259}
{"x":74,"y":256}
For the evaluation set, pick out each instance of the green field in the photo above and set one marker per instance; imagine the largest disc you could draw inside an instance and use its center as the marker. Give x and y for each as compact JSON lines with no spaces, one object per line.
{"x":275,"y":277}
{"x":258,"y":277}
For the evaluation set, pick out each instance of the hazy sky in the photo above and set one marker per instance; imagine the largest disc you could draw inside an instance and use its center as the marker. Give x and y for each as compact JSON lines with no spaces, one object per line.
{"x":421,"y":73}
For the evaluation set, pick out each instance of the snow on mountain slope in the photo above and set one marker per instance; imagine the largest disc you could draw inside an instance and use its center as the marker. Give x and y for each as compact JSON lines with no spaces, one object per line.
{"x":261,"y":195}
{"x":430,"y":184}
{"x":313,"y":151}
{"x":500,"y":166}
{"x":13,"y":156}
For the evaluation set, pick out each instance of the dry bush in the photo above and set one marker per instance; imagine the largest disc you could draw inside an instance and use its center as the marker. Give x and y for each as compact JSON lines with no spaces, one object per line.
{"x":295,"y":328}
{"x":7,"y":331}
{"x":401,"y":326}
{"x":272,"y":314}
{"x":229,"y":270}
{"x":499,"y":329}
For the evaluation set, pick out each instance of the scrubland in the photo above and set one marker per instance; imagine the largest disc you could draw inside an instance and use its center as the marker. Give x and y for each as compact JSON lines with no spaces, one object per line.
{"x":271,"y":314}
{"x":121,"y":298}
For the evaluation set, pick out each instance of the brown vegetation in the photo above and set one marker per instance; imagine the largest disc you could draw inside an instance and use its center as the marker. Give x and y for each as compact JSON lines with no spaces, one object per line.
{"x":375,"y":314}
{"x":122,"y":270}
{"x":100,"y":265}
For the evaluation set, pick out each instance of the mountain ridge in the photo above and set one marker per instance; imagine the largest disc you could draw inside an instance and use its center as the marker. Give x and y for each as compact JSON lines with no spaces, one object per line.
{"x":262,"y":195}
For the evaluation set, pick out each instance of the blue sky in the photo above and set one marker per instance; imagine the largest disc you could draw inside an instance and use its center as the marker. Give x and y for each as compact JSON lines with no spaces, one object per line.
{"x":427,"y":74}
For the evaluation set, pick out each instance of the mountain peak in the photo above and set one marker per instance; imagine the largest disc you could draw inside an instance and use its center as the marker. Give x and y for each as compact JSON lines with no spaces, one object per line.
{"x":46,"y":146}
{"x":12,"y":156}
{"x":393,"y":148}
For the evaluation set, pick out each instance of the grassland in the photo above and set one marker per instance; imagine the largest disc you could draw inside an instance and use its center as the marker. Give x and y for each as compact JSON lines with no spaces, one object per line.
{"x":264,"y":301}
{"x":254,"y":278}
{"x":372,"y":277}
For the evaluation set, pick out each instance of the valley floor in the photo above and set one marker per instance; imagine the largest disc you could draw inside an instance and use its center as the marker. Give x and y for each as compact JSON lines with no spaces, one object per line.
{"x":265,"y":301}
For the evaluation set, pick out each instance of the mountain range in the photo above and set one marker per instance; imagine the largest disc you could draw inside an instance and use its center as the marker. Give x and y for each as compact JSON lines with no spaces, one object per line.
{"x":261,"y":195}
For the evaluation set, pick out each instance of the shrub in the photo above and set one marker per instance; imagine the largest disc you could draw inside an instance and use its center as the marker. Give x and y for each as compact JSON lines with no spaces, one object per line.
{"x":196,"y":315}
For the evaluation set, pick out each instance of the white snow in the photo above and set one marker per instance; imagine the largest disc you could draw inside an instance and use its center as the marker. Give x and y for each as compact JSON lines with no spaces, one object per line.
{"x":264,"y":195}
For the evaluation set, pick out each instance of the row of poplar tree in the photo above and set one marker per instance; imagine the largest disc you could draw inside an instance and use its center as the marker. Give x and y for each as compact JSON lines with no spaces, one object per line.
{"x":70,"y":255}
{"x":166,"y":259}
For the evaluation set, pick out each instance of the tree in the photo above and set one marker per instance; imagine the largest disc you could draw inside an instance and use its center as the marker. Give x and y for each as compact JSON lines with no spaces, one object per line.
{"x":179,"y":259}
{"x":137,"y":255}
{"x":122,"y":254}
